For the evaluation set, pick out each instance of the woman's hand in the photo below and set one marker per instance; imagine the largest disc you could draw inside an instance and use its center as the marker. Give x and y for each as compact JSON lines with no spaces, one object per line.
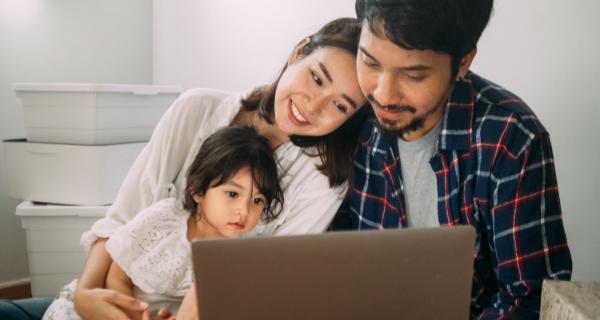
{"x":103,"y":304}
{"x":91,"y":300}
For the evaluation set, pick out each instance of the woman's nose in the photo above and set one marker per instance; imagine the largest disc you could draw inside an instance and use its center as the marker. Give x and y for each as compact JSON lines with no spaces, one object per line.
{"x":315,"y":104}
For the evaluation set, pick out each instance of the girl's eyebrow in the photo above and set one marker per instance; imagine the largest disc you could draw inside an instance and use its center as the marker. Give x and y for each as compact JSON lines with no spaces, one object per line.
{"x":231,"y":183}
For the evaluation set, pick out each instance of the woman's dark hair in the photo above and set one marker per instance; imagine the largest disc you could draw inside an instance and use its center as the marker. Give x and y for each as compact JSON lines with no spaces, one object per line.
{"x":448,"y":26}
{"x":225,"y":153}
{"x":338,"y":148}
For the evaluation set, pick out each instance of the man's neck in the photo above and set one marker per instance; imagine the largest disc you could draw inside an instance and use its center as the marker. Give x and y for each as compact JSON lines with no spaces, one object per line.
{"x":429,"y":123}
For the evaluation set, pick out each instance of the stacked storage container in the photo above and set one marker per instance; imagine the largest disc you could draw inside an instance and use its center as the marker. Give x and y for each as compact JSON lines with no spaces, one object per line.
{"x":82,"y":139}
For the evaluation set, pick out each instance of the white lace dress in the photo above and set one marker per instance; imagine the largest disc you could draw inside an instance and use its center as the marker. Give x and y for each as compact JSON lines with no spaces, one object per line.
{"x":154,"y":252}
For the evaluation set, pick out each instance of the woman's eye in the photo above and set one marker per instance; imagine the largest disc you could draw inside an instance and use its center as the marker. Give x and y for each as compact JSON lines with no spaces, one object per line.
{"x":231,"y":194}
{"x":340,"y":106}
{"x":317,"y":79}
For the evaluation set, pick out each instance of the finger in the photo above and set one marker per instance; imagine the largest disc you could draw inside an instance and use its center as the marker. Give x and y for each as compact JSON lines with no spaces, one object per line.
{"x":127,"y":302}
{"x":164,"y":313}
{"x":146,"y":315}
{"x":116,"y":313}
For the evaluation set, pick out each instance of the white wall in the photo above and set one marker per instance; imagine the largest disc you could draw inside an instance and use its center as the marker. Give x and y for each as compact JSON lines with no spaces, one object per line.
{"x":233,"y":44}
{"x":546,"y":51}
{"x":106,"y":41}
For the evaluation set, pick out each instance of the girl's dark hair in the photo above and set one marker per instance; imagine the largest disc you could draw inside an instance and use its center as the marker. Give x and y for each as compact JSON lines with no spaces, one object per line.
{"x":225,"y":153}
{"x":338,"y":148}
{"x":448,"y":26}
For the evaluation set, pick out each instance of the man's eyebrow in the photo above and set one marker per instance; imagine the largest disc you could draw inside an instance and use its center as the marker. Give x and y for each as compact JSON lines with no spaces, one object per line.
{"x":324,"y":69}
{"x":366,"y":53}
{"x":417,"y":67}
{"x":350,"y":101}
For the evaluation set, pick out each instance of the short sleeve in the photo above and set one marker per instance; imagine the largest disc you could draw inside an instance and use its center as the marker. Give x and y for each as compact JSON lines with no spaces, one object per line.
{"x":153,"y":249}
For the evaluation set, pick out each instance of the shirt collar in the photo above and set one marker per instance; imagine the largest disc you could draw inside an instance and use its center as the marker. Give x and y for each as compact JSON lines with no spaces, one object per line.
{"x":457,"y":125}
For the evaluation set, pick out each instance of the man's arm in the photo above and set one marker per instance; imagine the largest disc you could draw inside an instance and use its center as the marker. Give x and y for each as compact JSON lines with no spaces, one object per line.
{"x":528,"y":236}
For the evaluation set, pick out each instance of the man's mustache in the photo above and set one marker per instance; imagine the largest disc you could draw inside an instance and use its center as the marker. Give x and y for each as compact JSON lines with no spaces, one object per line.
{"x":391,"y":107}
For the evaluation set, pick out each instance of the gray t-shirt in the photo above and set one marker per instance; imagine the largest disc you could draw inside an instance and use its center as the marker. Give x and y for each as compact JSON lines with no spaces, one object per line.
{"x":420,"y":184}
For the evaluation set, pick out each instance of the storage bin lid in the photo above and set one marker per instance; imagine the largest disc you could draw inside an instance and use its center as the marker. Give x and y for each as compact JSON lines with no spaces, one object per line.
{"x":28,"y":209}
{"x":96,"y":87}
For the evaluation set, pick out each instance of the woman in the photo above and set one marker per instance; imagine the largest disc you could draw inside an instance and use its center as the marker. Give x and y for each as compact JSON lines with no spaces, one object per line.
{"x":310,"y":115}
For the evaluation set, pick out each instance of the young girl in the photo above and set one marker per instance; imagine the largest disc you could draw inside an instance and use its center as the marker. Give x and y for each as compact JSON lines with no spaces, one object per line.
{"x":230,"y":185}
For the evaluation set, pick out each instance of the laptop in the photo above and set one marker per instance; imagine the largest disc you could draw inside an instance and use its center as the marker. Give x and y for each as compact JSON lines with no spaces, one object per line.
{"x":388,"y":274}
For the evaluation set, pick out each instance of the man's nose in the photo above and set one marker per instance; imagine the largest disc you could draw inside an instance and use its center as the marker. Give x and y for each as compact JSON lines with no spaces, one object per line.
{"x":387,"y":91}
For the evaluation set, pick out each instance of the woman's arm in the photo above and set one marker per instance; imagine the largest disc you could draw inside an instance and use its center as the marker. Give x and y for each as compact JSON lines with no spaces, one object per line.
{"x":91,"y":300}
{"x":118,"y":280}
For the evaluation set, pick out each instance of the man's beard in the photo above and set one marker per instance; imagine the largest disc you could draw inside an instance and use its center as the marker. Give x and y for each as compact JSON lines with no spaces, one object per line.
{"x":390,"y":128}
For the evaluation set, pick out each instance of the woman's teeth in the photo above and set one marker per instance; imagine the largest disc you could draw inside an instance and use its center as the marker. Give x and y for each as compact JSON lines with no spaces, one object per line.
{"x":297,"y":113}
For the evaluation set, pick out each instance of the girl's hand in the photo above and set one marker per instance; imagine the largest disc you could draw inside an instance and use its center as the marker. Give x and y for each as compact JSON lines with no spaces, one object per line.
{"x":164,"y":314}
{"x":103,"y":304}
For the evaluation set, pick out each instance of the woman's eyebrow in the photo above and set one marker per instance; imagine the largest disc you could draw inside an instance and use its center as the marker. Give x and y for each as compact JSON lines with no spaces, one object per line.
{"x":350,"y":101}
{"x":324,"y":69}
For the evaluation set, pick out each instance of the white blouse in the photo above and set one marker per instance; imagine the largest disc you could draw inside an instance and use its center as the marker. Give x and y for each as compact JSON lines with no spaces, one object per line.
{"x":159,"y":172}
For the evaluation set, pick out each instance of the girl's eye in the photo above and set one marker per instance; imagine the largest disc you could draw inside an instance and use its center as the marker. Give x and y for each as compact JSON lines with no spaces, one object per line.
{"x":340,"y":106}
{"x":317,"y":79}
{"x":258,"y":201}
{"x":231,"y":194}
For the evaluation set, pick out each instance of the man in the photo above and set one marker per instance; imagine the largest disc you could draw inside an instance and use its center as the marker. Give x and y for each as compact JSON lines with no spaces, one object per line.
{"x":447,"y":147}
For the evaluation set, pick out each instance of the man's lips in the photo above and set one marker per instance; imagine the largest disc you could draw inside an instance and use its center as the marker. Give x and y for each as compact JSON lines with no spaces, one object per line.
{"x":390,"y":114}
{"x":293,"y":118}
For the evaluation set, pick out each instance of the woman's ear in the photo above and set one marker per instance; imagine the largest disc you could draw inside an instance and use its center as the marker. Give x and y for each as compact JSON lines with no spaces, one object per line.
{"x":298,"y":51}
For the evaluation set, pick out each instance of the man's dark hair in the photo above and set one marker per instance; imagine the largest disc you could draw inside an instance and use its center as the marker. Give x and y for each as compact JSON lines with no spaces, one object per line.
{"x":338,"y":148}
{"x":228,"y":151}
{"x":445,"y":26}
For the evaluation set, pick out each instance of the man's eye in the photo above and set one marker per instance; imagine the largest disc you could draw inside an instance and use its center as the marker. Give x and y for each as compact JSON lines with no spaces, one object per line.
{"x":340,"y":106}
{"x":317,"y":79}
{"x":231,"y":194}
{"x":366,"y":63}
{"x":415,"y":79}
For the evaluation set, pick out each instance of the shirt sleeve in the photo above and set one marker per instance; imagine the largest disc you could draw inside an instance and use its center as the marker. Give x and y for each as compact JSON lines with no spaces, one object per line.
{"x":527,"y":238}
{"x":152,"y":174}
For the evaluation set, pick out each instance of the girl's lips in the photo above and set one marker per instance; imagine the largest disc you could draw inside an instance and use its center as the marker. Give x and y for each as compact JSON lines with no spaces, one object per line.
{"x":390,"y":115}
{"x":237,"y":225}
{"x":293,"y":118}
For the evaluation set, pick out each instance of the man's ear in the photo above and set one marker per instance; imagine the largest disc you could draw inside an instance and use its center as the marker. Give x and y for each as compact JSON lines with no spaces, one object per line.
{"x":465,"y":64}
{"x":298,"y":51}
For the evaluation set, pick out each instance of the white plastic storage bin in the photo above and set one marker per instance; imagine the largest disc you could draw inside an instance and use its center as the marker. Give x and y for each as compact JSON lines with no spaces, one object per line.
{"x":67,"y":174}
{"x":53,"y":234}
{"x":91,"y":114}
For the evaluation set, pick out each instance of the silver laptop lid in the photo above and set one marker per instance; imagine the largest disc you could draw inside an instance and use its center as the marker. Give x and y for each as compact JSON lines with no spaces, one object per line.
{"x":390,"y":274}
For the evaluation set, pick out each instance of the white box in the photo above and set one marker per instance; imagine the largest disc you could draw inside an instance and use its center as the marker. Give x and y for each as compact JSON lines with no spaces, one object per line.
{"x":67,"y":174}
{"x":91,"y":114}
{"x":53,"y":234}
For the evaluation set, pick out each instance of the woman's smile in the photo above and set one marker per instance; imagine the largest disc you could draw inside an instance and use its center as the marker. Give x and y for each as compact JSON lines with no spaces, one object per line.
{"x":295,"y":116}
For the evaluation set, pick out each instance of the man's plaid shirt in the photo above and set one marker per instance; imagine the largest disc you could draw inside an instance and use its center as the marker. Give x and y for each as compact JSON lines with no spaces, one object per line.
{"x":495,"y":171}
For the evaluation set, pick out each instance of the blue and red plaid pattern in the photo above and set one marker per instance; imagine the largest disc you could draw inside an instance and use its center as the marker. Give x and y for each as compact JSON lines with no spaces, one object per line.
{"x":495,"y":171}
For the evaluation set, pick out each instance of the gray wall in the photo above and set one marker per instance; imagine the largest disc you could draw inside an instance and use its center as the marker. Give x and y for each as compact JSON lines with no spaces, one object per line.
{"x":106,"y":41}
{"x":546,"y":51}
